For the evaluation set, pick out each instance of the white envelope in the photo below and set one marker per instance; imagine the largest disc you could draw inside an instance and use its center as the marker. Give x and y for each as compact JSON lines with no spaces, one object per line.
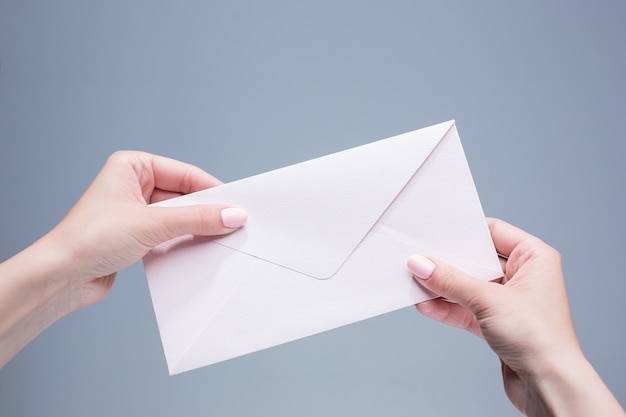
{"x":325,"y":245}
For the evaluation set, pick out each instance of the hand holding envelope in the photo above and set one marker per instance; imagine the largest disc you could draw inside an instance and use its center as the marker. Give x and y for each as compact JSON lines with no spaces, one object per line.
{"x":325,"y":245}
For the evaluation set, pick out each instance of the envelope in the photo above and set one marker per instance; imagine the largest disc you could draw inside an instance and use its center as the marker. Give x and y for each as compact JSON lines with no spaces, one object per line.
{"x":325,"y":245}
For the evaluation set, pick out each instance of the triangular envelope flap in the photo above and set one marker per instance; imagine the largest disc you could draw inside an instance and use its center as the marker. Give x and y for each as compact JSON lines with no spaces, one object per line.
{"x":310,"y":217}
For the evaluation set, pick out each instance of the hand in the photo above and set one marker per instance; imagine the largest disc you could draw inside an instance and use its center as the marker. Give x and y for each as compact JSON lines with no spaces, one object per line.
{"x":525,"y":318}
{"x":109,"y":228}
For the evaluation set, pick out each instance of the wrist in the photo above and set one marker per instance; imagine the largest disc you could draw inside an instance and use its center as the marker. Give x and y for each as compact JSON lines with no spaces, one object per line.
{"x":35,"y":291}
{"x":570,"y":386}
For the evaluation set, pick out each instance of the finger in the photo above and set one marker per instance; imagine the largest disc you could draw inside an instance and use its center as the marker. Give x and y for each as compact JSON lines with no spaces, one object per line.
{"x":450,"y":313}
{"x":180,"y":177}
{"x":161,"y":195}
{"x":506,"y":236}
{"x":166,"y":223}
{"x":450,"y":283}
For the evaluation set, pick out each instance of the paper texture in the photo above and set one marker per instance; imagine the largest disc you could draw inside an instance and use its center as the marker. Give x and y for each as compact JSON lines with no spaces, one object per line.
{"x":325,"y":245}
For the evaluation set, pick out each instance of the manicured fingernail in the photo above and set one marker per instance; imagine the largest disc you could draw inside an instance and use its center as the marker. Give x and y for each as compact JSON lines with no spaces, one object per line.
{"x":421,"y":267}
{"x":234,"y":217}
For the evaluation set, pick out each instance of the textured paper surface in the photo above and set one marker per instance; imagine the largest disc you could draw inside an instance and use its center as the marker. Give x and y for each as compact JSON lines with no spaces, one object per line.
{"x":325,"y":245}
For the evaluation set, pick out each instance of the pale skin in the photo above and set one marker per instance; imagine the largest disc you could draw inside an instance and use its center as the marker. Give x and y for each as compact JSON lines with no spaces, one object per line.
{"x":109,"y":228}
{"x":525,"y":318}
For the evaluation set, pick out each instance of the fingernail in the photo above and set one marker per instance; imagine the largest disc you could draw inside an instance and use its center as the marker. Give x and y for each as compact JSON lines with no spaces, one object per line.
{"x":234,"y":217}
{"x":421,"y":267}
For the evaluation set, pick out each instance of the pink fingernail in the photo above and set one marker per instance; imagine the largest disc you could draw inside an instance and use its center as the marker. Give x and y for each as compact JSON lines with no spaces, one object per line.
{"x":234,"y":217}
{"x":420,"y":266}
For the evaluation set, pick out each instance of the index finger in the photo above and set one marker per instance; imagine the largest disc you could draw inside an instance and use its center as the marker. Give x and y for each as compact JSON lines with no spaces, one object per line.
{"x":180,"y":177}
{"x":505,"y":236}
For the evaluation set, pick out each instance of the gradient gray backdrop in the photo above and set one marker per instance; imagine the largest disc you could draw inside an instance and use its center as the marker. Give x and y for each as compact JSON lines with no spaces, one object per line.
{"x":539,"y":94}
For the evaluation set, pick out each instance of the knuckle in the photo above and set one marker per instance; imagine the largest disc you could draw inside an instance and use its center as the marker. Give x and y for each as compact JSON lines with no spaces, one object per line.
{"x":119,"y":156}
{"x":554,"y":254}
{"x":205,"y":220}
{"x":446,"y":279}
{"x":200,"y":218}
{"x":132,"y":157}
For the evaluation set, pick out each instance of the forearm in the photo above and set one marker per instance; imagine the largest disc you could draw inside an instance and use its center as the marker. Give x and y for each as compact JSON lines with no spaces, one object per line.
{"x":34,"y":292}
{"x":573,"y":388}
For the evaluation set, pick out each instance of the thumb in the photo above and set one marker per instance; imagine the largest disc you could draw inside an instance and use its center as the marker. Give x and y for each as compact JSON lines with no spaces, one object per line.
{"x":449,"y":282}
{"x":203,"y":220}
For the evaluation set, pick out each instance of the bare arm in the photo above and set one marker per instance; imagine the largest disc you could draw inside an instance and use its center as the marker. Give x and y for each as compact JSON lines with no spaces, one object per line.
{"x":108,"y":229}
{"x":526,"y":320}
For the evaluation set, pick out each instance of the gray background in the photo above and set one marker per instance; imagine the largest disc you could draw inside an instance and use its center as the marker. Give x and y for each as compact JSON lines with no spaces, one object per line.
{"x":539,"y":94}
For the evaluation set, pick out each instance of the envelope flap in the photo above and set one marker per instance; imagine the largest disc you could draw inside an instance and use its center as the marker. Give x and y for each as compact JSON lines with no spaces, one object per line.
{"x":311,"y":216}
